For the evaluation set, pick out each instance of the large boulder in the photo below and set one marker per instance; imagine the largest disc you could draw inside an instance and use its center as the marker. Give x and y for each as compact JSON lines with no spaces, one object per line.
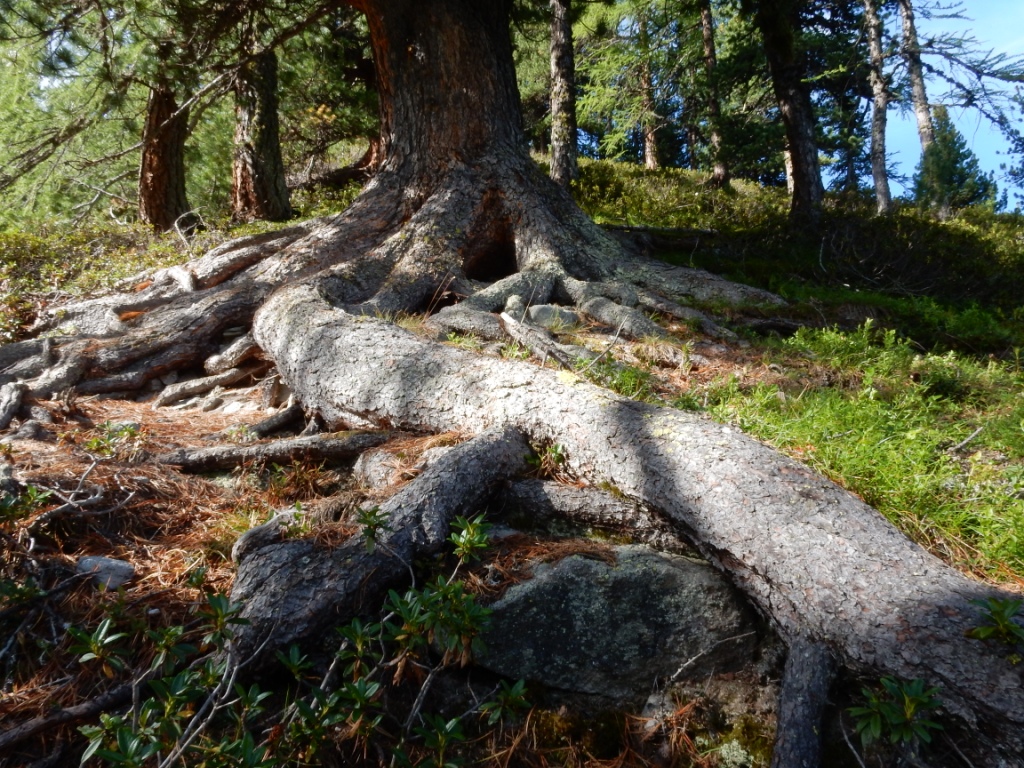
{"x":616,"y":632}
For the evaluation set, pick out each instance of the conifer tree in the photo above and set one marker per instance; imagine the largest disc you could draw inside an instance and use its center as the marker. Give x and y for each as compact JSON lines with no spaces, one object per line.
{"x":948,"y":177}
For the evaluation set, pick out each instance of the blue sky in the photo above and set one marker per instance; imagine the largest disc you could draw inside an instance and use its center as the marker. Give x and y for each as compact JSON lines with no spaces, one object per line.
{"x":997,"y":25}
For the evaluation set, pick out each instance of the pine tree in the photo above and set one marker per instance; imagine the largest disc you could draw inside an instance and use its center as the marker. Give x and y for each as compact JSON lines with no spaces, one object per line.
{"x":948,"y":177}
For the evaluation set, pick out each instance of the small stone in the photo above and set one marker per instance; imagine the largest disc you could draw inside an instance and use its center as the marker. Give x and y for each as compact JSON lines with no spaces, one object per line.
{"x":553,"y":317}
{"x":515,"y":307}
{"x":106,"y":571}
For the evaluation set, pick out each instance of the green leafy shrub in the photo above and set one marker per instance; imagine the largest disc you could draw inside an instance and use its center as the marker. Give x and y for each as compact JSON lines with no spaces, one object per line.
{"x":898,"y":712}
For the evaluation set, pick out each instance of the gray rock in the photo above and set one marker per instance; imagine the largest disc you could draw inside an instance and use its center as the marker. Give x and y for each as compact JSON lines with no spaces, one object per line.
{"x":374,"y":469}
{"x":31,"y":430}
{"x":106,"y":571}
{"x":551,"y":316}
{"x":613,"y":632}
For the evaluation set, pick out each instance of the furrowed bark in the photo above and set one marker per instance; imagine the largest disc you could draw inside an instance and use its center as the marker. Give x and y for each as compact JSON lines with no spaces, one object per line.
{"x":162,"y":200}
{"x":563,"y":96}
{"x":806,"y":680}
{"x":816,"y":559}
{"x":258,"y":187}
{"x":293,"y":590}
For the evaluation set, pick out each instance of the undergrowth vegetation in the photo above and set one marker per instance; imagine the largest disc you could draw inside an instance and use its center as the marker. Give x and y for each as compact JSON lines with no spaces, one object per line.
{"x":955,"y":283}
{"x":934,"y":441}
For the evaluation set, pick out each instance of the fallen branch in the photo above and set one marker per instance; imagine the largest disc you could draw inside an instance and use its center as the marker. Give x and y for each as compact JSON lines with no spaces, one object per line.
{"x":115,"y":698}
{"x":538,"y":341}
{"x":317,"y":447}
{"x":185,"y":389}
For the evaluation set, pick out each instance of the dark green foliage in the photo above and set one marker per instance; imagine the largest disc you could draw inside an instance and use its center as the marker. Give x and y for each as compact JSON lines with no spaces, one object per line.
{"x":948,"y":177}
{"x":899,"y":712}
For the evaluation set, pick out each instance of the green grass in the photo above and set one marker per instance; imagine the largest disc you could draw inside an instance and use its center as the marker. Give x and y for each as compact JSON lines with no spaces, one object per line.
{"x":882,"y":420}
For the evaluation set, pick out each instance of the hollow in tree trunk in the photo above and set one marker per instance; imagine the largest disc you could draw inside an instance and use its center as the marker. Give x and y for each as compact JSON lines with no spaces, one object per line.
{"x":258,"y":187}
{"x":563,"y":96}
{"x":162,"y":198}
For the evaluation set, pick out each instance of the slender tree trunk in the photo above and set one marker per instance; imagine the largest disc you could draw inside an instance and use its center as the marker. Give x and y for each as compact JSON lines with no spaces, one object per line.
{"x":563,"y":96}
{"x":919,"y":96}
{"x":258,"y":189}
{"x":720,"y":171}
{"x":162,"y":198}
{"x":648,"y":120}
{"x":777,"y":20}
{"x":880,"y":107}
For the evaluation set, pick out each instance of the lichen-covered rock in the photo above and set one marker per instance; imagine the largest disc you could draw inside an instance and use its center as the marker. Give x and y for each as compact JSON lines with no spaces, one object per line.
{"x":616,"y":631}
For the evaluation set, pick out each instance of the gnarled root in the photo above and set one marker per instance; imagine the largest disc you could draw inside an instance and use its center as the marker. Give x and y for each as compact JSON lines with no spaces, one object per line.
{"x":294,"y":589}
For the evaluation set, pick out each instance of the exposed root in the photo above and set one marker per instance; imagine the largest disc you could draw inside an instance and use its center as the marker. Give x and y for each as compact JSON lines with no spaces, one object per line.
{"x":809,"y":672}
{"x":544,"y":501}
{"x":315,"y":448}
{"x":294,"y":589}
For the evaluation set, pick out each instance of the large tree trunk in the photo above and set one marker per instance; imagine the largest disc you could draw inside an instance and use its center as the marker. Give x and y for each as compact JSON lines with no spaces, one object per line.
{"x":777,"y":20}
{"x":258,"y":187}
{"x":880,"y":107}
{"x":911,"y":51}
{"x":720,"y":171}
{"x":458,"y":217}
{"x":162,"y":199}
{"x":563,"y":96}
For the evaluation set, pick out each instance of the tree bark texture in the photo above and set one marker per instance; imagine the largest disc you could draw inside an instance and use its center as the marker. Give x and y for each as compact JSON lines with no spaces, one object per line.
{"x":564,"y":167}
{"x":648,"y":109}
{"x":817,"y":560}
{"x":720,"y":171}
{"x":880,"y":107}
{"x":911,"y":51}
{"x":778,"y":21}
{"x":258,"y":187}
{"x":806,"y":679}
{"x":162,"y":198}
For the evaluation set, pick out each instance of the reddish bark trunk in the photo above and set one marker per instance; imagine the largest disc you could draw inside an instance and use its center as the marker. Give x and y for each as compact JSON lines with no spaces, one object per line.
{"x":258,"y":189}
{"x":162,"y":198}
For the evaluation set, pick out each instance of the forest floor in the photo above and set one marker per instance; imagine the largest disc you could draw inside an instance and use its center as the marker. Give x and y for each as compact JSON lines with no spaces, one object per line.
{"x":931,"y":436}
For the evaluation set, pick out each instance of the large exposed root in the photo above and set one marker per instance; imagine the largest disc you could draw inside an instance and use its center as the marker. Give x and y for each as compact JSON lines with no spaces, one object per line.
{"x":295,"y":589}
{"x":817,"y":560}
